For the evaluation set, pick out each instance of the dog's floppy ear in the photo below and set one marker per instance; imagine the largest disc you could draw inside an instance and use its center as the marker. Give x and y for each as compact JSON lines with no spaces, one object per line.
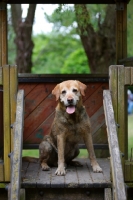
{"x":56,"y":92}
{"x":82,"y":87}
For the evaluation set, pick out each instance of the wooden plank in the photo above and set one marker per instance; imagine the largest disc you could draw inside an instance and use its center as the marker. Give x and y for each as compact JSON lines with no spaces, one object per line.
{"x":113,"y":87}
{"x":25,"y":166}
{"x":6,"y":120}
{"x":1,"y":171}
{"x":57,"y":181}
{"x":1,"y":119}
{"x":127,"y":75}
{"x":97,"y":178}
{"x":107,"y":194}
{"x":37,"y":117}
{"x":37,"y":135}
{"x":95,"y":101}
{"x":43,"y":179}
{"x":121,"y":32}
{"x":83,"y":174}
{"x":36,"y":96}
{"x":124,"y":31}
{"x":91,"y":88}
{"x":4,"y":36}
{"x":131,"y":75}
{"x":122,"y":113}
{"x":17,"y":150}
{"x":97,"y":120}
{"x":31,"y":175}
{"x":1,"y":77}
{"x":27,"y":87}
{"x":105,"y":165}
{"x":13,"y":98}
{"x":71,"y":178}
{"x":118,"y":180}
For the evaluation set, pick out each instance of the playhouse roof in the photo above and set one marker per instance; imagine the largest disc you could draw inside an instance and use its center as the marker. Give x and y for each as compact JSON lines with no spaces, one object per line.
{"x":67,"y":1}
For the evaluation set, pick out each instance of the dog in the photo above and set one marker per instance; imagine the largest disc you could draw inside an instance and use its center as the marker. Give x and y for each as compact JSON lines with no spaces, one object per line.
{"x":70,"y":124}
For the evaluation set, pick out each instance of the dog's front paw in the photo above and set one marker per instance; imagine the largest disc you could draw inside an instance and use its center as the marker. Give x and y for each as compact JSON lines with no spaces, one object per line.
{"x":97,"y":168}
{"x":45,"y":167}
{"x":60,"y":171}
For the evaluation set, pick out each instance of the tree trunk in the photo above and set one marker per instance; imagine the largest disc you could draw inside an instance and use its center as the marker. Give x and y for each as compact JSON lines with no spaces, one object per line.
{"x":23,"y":40}
{"x":99,"y":45}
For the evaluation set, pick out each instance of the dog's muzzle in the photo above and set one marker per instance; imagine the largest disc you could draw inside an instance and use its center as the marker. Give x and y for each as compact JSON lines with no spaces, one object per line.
{"x":70,"y":108}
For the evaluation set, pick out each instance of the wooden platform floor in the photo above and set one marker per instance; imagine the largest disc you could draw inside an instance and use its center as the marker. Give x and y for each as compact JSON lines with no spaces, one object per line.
{"x":76,"y":177}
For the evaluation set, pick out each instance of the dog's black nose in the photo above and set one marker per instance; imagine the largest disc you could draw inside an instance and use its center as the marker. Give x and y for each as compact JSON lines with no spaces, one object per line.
{"x":70,"y":100}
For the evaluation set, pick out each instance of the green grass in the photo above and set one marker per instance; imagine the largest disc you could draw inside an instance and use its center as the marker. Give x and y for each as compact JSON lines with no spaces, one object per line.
{"x":83,"y":152}
{"x":35,"y":153}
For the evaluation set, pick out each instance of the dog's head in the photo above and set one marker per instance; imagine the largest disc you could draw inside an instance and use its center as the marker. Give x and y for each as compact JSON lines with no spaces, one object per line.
{"x":69,"y":93}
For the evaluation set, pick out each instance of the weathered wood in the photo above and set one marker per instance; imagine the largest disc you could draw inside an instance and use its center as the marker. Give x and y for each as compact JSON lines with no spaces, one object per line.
{"x":113,"y":87}
{"x":122,"y":114}
{"x":13,"y":98}
{"x":44,"y":179}
{"x":118,"y":181}
{"x":1,"y":77}
{"x":1,"y":122}
{"x":56,"y":181}
{"x":17,"y":153}
{"x":131,"y":75}
{"x":95,"y":100}
{"x":22,"y":194}
{"x":1,"y":171}
{"x":36,"y":96}
{"x":76,"y":177}
{"x":127,"y":75}
{"x":107,"y":194}
{"x":6,"y":120}
{"x":121,"y":31}
{"x":4,"y":35}
{"x":84,"y":177}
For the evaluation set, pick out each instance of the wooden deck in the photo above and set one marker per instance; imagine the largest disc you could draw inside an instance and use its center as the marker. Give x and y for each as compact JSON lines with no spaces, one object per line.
{"x":76,"y":177}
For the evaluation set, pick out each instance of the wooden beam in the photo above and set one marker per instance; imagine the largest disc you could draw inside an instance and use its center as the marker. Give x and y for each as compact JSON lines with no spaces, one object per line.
{"x":121,"y":31}
{"x":17,"y":153}
{"x":6,"y":120}
{"x":117,"y":174}
{"x":13,"y":98}
{"x":4,"y":34}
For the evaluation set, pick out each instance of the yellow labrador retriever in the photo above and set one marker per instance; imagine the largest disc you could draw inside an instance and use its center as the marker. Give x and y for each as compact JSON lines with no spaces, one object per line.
{"x":71,"y":123}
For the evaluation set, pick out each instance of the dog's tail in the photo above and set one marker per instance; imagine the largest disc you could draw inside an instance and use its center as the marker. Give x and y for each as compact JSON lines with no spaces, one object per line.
{"x":30,"y":159}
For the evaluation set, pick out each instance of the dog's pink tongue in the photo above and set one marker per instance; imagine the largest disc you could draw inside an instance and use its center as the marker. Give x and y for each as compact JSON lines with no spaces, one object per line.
{"x":70,"y":109}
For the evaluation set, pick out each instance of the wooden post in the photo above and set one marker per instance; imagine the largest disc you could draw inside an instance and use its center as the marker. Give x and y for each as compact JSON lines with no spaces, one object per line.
{"x":6,"y":120}
{"x":3,"y":33}
{"x":121,"y":30}
{"x":13,"y":98}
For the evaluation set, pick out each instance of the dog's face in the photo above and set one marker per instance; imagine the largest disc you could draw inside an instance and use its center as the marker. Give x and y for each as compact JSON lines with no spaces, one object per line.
{"x":69,"y":93}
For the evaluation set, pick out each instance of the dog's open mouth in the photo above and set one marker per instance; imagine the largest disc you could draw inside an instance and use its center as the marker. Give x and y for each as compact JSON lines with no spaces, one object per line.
{"x":70,"y":109}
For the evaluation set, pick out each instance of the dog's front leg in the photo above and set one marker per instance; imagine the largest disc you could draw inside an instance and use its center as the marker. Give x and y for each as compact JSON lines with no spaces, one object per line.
{"x":90,"y":148}
{"x":61,"y":162}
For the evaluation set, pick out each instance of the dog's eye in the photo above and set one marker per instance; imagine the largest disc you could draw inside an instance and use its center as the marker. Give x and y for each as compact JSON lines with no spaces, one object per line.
{"x":63,"y":92}
{"x":75,"y":90}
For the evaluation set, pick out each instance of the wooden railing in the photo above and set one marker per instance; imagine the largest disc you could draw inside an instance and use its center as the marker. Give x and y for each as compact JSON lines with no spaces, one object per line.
{"x":116,"y":166}
{"x":16,"y":155}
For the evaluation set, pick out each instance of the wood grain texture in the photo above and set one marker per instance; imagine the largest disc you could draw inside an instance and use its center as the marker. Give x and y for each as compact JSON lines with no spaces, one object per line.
{"x":17,"y":153}
{"x":13,"y":98}
{"x":40,"y":107}
{"x":116,"y":166}
{"x":76,"y":177}
{"x":6,"y":120}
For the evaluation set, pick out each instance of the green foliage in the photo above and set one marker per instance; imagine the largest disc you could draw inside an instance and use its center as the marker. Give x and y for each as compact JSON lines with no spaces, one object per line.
{"x":76,"y":63}
{"x":53,"y":53}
